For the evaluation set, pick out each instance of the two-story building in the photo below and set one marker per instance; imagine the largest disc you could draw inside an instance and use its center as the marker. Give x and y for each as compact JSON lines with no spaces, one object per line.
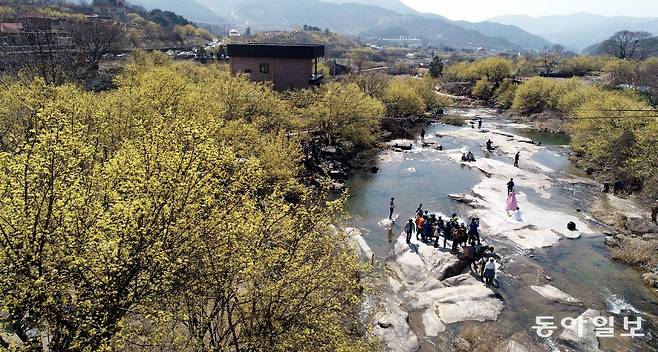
{"x":287,"y":66}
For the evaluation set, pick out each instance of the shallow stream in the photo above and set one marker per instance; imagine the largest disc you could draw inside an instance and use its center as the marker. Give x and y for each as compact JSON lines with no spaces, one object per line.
{"x":582,"y":267}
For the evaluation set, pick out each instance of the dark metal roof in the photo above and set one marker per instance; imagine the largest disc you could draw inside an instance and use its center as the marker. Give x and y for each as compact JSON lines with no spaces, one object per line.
{"x":288,"y":51}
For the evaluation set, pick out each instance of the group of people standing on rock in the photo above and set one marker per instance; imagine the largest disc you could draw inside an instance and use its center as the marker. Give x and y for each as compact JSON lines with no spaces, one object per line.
{"x":429,"y":229}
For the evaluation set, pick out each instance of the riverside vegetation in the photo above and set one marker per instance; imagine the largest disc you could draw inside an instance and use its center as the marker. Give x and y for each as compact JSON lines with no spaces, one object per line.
{"x":165,"y":214}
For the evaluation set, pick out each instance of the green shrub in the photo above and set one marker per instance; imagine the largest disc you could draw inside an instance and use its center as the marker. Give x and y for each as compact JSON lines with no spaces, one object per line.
{"x":504,"y":94}
{"x":426,"y":89}
{"x":532,"y":96}
{"x":571,"y":100}
{"x":401,"y":99}
{"x":494,"y":69}
{"x":483,"y":89}
{"x":583,"y":65}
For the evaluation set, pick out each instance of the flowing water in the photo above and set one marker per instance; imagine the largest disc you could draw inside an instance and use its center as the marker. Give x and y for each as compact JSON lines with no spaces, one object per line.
{"x":582,"y":268}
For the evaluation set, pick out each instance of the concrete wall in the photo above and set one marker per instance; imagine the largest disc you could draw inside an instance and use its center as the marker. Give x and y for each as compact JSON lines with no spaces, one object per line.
{"x":285,"y":73}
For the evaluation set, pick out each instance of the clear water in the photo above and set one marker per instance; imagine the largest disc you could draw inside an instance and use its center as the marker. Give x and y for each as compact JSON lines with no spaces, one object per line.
{"x":424,"y":176}
{"x":545,"y":138}
{"x":582,"y":268}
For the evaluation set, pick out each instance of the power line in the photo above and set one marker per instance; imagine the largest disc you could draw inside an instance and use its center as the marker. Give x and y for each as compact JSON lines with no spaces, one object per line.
{"x":447,"y":117}
{"x":606,"y":110}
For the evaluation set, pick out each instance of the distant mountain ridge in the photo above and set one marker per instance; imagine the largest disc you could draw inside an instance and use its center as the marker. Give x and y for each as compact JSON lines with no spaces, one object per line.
{"x":512,"y":33}
{"x":364,"y":18}
{"x":191,"y":10}
{"x":372,"y":19}
{"x":580,"y":30}
{"x":391,"y":5}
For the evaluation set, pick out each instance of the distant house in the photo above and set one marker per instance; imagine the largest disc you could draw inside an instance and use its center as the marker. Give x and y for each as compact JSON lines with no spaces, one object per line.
{"x":14,"y":27}
{"x":9,"y":33}
{"x":402,"y":41}
{"x":286,"y":66}
{"x":110,"y":8}
{"x":35,"y":29}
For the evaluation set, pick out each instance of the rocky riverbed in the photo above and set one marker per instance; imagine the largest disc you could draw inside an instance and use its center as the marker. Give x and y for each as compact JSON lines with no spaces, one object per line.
{"x":427,"y":297}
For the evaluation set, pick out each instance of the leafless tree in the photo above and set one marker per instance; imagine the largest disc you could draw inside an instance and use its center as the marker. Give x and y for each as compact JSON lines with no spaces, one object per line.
{"x":95,"y":38}
{"x":41,"y":49}
{"x":628,"y":45}
{"x":549,"y":60}
{"x":58,"y":50}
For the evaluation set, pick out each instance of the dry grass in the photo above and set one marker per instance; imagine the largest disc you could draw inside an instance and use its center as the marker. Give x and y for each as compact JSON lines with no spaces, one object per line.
{"x":491,"y":337}
{"x":637,"y":252}
{"x":650,"y":279}
{"x":482,"y":337}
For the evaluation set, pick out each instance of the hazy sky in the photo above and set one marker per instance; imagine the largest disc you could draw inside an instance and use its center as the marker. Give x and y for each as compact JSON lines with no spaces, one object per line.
{"x":483,"y":9}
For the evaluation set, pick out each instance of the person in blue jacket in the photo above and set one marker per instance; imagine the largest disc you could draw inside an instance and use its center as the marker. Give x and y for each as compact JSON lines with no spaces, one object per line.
{"x":427,"y":231}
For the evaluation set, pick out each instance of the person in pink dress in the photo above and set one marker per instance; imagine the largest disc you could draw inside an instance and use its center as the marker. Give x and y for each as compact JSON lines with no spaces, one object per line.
{"x":512,"y":204}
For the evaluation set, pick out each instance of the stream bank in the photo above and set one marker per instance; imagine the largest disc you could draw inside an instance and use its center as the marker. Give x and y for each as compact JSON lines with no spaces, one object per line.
{"x":342,"y":160}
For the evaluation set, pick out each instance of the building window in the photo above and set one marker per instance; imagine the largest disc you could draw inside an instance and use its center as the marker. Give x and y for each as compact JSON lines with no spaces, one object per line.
{"x":247,"y":72}
{"x":264,"y":68}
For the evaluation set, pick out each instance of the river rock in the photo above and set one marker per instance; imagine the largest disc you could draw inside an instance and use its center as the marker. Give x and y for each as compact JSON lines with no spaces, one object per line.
{"x":463,"y":198}
{"x":432,"y":323}
{"x":418,"y":267}
{"x":641,"y":226}
{"x":394,"y":330}
{"x":478,"y":310}
{"x":463,"y":279}
{"x":468,"y":301}
{"x":533,"y":238}
{"x":418,"y":262}
{"x":329,"y":150}
{"x":511,"y":346}
{"x":650,"y":237}
{"x":348,"y":145}
{"x":584,"y":340}
{"x":338,"y":186}
{"x":554,"y":294}
{"x":611,"y":241}
{"x":650,"y":279}
{"x":461,"y":344}
{"x":360,"y":245}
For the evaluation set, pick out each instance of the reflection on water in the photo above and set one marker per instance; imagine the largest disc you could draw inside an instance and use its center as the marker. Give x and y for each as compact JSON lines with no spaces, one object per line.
{"x":552,"y":158}
{"x":430,"y":185}
{"x":424,"y":176}
{"x":543,"y":137}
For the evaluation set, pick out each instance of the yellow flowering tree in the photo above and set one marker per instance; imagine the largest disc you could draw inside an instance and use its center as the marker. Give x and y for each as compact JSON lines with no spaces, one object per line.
{"x":167,"y":214}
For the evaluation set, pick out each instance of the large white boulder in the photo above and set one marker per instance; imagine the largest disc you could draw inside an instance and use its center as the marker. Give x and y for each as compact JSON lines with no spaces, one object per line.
{"x":359,"y":243}
{"x":583,"y":339}
{"x":393,"y":328}
{"x":479,"y":310}
{"x":556,"y":295}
